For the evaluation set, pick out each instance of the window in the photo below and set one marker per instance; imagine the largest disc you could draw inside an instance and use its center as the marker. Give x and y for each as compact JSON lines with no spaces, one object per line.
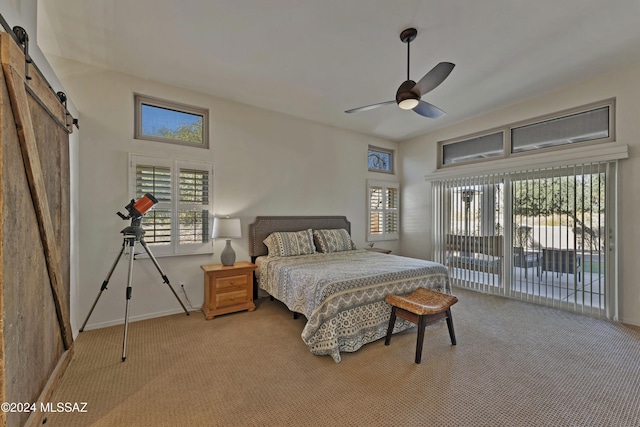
{"x":589,"y":123}
{"x":480,"y":147}
{"x":380,"y":160}
{"x":383,"y":211}
{"x":180,"y":223}
{"x":585,"y":126}
{"x":166,"y":121}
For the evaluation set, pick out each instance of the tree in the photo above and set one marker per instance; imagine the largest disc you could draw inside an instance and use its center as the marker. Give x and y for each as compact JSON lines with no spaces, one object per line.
{"x":188,"y":132}
{"x":578,"y":197}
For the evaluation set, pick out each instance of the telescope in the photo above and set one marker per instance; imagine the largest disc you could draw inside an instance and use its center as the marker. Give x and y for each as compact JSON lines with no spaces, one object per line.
{"x":133,"y":234}
{"x":138,"y":208}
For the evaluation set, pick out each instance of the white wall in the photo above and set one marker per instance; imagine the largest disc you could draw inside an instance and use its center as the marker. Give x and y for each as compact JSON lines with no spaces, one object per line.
{"x":264,"y":164}
{"x":418,"y":158}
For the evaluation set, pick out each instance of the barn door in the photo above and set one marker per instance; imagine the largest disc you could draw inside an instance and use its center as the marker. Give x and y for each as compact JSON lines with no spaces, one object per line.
{"x":34,"y":253}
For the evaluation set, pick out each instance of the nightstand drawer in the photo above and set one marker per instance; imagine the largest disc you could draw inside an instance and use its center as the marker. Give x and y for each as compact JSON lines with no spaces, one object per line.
{"x":231,"y":281}
{"x":228,"y":299}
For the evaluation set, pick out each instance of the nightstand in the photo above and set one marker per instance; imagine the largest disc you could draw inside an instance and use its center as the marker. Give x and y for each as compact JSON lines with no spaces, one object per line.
{"x":227,"y":289}
{"x":382,"y":251}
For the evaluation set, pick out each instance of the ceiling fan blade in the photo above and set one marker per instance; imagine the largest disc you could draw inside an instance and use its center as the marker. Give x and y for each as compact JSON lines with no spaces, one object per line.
{"x":433,"y":78}
{"x":370,"y":107}
{"x":428,"y":110}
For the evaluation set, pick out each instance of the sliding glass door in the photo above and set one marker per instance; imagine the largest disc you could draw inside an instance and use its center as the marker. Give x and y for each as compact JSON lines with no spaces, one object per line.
{"x":470,"y":230}
{"x":538,"y":235}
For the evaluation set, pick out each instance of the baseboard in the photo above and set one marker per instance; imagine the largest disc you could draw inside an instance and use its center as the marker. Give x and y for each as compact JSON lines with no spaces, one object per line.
{"x":38,"y":418}
{"x":136,"y":318}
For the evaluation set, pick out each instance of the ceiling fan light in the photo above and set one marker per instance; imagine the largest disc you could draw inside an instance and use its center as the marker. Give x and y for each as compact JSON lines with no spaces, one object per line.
{"x":408,"y":104}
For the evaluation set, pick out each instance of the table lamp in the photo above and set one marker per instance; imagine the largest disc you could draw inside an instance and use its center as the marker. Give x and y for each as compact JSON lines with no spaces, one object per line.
{"x":227,"y":228}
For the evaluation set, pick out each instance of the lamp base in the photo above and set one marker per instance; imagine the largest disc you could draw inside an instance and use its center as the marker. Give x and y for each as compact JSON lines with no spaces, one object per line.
{"x":228,"y":255}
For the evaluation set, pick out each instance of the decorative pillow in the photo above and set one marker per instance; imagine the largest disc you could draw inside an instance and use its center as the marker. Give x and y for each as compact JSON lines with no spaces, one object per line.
{"x":335,"y":240}
{"x":290,"y":243}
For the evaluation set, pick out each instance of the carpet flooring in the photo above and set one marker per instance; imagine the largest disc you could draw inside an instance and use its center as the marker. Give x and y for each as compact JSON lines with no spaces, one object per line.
{"x":516,"y":364}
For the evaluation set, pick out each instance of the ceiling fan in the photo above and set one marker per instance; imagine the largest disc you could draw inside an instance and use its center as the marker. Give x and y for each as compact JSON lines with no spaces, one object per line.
{"x":409,"y":93}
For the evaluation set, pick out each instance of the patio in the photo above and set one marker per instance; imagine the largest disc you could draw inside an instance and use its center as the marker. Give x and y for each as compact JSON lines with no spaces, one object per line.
{"x":532,"y":284}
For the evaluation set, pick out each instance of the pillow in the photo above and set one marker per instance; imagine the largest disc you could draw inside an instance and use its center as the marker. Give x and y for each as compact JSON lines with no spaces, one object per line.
{"x":335,"y":240}
{"x":290,"y":243}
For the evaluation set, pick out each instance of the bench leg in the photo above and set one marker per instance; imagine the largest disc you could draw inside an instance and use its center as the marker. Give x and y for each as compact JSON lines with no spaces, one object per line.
{"x":392,"y":323}
{"x":422,"y":323}
{"x":452,"y":333}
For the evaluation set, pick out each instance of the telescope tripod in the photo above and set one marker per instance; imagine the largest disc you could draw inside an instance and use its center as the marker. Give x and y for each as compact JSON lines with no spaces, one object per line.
{"x":132,"y":235}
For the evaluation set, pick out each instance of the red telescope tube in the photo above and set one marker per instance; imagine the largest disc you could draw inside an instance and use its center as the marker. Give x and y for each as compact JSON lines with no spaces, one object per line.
{"x":143,"y":204}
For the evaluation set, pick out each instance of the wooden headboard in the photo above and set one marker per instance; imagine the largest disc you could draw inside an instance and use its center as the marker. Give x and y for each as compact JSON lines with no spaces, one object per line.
{"x":265,"y":225}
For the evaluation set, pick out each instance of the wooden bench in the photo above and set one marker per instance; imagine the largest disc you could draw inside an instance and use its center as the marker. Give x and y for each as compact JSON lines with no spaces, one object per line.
{"x":422,"y":307}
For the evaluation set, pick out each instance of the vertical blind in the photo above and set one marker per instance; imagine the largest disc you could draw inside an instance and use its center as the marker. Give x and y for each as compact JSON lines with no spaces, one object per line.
{"x":538,"y":235}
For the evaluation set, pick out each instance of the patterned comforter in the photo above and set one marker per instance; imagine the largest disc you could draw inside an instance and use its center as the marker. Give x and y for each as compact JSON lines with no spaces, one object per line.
{"x":342,"y":294}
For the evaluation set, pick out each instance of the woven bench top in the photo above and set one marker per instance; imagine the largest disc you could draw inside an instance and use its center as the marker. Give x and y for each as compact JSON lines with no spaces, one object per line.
{"x":422,"y":301}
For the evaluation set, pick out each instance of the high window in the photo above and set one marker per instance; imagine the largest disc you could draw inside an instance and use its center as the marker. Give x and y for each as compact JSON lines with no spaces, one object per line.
{"x":586,"y":124}
{"x":583,"y":126}
{"x":380,"y":160}
{"x":167,"y":121}
{"x":476,"y":148}
{"x":180,"y":223}
{"x":383,"y":210}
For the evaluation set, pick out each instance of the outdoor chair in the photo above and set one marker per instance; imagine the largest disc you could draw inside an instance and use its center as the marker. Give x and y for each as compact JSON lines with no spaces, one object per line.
{"x":526,"y":259}
{"x":560,"y":261}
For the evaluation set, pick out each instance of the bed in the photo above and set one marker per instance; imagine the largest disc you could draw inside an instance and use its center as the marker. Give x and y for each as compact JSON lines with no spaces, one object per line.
{"x":340,"y":292}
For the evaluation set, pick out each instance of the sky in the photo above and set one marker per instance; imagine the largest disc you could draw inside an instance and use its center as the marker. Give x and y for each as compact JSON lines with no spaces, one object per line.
{"x":155,"y":118}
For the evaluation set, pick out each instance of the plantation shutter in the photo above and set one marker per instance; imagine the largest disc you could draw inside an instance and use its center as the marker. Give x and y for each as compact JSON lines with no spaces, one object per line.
{"x":194,"y":201}
{"x":391,"y":214}
{"x":375,"y":204}
{"x":384,"y":212}
{"x":179,"y":223}
{"x":156,"y":180}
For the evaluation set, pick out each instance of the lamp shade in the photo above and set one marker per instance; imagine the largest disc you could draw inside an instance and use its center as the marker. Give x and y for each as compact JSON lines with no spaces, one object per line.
{"x":226,"y":228}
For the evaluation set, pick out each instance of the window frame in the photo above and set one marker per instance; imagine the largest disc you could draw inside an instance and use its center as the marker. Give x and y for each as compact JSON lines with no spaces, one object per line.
{"x":389,"y":151}
{"x":175,"y":248}
{"x":442,"y":144}
{"x":385,"y":236}
{"x":508,"y":128}
{"x":139,"y":100}
{"x":564,"y":115}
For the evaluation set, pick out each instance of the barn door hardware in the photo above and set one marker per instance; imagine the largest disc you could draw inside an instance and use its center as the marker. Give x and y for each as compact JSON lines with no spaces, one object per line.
{"x":20,"y":36}
{"x":63,"y":100}
{"x":62,"y":97}
{"x":23,"y":40}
